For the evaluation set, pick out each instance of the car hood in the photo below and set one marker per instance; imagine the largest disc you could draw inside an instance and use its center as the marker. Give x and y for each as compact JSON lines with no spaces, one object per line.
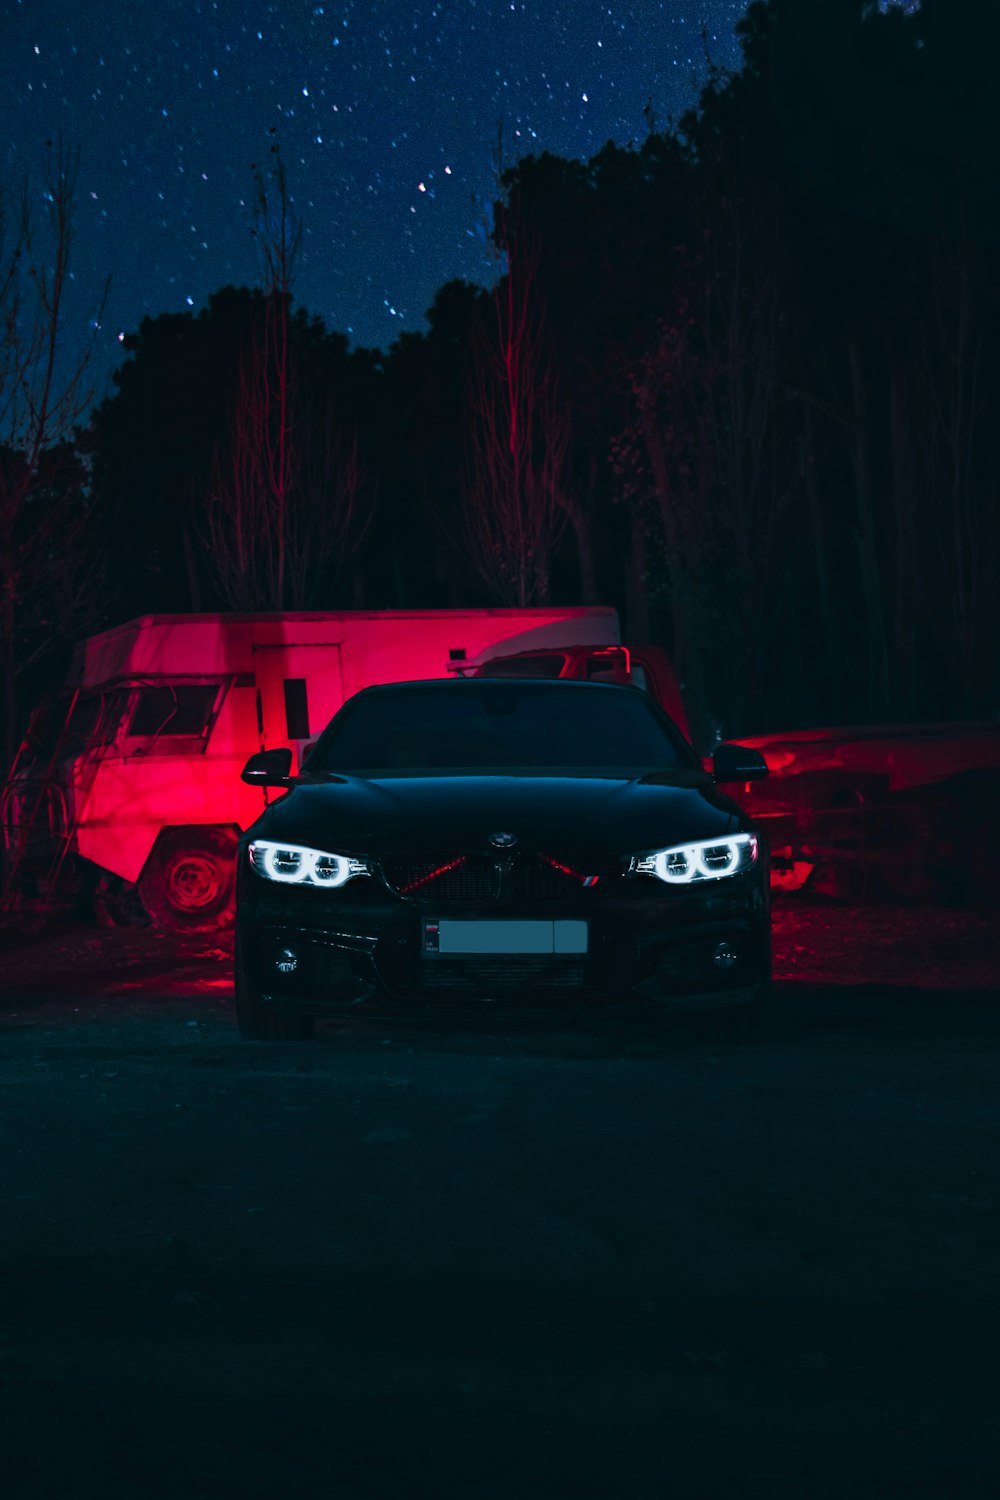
{"x":371,"y":816}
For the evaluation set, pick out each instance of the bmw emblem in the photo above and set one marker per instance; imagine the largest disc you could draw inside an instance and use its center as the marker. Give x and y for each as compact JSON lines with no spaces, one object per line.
{"x":503,"y":840}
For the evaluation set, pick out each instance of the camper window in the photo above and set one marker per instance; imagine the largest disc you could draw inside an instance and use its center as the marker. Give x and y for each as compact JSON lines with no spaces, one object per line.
{"x":175,"y":709}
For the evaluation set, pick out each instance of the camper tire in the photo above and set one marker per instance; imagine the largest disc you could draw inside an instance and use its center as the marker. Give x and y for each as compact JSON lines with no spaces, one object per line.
{"x":259,"y":1022}
{"x":188,"y":883}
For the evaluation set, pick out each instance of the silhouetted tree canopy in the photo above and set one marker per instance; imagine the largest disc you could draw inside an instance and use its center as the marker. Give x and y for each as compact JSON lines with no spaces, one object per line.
{"x":773,"y":330}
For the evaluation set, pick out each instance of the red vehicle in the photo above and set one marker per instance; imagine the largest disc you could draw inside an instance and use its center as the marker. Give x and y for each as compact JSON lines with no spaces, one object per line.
{"x":645,"y":667}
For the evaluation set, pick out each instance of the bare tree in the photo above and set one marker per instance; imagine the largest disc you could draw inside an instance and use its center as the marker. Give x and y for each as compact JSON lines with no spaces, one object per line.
{"x":664,"y":463}
{"x":45,"y":531}
{"x":333,"y":483}
{"x":961,"y":542}
{"x":707,"y":440}
{"x":518,"y":429}
{"x":282,"y":507}
{"x":747,"y":331}
{"x":873,"y":581}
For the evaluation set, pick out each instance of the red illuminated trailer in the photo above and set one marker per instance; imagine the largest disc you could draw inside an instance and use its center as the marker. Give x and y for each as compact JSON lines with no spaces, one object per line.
{"x":137,"y":768}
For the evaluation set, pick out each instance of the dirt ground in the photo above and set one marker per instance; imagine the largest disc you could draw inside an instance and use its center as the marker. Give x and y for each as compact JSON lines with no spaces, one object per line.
{"x":603,"y":1258}
{"x":819,"y":942}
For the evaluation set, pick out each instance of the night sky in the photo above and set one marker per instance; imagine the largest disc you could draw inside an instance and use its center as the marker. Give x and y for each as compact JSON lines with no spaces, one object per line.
{"x":387,"y":116}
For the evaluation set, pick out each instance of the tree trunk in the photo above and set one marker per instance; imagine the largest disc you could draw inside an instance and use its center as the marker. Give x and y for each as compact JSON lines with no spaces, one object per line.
{"x":191,"y":567}
{"x":359,"y":589}
{"x":402,"y":599}
{"x":864,"y":533}
{"x":906,"y":525}
{"x":638,"y":627}
{"x":8,"y":675}
{"x":830,"y":631}
{"x":584,"y":538}
{"x":581,"y":515}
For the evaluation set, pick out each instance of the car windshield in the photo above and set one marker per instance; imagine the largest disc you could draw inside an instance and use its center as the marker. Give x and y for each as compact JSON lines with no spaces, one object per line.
{"x":475,"y":726}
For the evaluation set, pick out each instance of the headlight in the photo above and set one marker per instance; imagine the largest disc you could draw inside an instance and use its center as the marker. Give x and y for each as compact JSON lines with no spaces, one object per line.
{"x":708,"y":859}
{"x":294,"y":865}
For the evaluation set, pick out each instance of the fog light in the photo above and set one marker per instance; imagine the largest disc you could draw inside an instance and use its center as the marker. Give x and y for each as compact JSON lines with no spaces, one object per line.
{"x":287,"y":961}
{"x":724,"y":955}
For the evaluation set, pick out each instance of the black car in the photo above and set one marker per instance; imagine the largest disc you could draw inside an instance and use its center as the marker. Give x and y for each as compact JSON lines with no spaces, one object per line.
{"x":487,"y":839}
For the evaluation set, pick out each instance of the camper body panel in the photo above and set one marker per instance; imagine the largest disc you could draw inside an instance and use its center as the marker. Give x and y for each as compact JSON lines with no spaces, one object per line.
{"x":406,"y":644}
{"x":133,"y":798}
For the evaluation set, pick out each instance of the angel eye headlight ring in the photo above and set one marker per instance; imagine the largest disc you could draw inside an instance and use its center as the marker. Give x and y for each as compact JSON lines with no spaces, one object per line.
{"x":707,"y":859}
{"x":295,"y":864}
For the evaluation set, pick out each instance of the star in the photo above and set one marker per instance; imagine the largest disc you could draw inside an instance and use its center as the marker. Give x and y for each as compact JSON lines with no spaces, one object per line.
{"x":373,"y":93}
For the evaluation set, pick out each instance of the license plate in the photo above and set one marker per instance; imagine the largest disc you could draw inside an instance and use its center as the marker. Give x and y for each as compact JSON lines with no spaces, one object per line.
{"x":450,"y":936}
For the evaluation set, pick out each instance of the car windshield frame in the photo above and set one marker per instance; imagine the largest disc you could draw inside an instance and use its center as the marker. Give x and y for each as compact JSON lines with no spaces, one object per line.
{"x":638,"y":709}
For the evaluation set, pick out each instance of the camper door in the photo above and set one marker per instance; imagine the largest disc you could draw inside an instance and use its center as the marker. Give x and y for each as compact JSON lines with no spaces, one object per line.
{"x":299,"y":689}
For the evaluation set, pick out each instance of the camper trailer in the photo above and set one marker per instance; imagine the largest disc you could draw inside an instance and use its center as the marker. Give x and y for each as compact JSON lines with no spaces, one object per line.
{"x":136,"y":769}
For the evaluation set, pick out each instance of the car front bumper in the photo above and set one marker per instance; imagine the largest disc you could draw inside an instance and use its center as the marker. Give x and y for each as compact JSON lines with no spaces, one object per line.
{"x":324,"y":952}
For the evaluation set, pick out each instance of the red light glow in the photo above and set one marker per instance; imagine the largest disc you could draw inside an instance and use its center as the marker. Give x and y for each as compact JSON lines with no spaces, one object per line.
{"x":619,"y":655}
{"x":415,"y":885}
{"x":586,"y":880}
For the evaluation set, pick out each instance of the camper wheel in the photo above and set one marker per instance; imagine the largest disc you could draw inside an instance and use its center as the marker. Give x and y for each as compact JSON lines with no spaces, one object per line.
{"x":189,"y":880}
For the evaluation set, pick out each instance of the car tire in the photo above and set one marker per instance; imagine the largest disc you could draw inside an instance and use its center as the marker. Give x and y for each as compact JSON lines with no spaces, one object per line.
{"x":188,"y":883}
{"x":259,"y":1022}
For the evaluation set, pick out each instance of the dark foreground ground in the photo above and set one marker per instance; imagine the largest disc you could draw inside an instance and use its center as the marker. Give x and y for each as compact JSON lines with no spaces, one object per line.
{"x":490,"y":1258}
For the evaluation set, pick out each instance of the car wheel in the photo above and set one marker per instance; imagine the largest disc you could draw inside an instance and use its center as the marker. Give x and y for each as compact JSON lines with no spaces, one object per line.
{"x":259,"y":1022}
{"x":189,"y":881}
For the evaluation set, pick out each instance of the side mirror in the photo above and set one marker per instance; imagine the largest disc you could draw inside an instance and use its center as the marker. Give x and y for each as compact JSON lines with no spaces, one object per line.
{"x":268,"y":768}
{"x":737,"y":763}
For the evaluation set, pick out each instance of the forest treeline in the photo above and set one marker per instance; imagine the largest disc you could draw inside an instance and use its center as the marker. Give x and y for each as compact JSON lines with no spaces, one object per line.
{"x":739,"y":379}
